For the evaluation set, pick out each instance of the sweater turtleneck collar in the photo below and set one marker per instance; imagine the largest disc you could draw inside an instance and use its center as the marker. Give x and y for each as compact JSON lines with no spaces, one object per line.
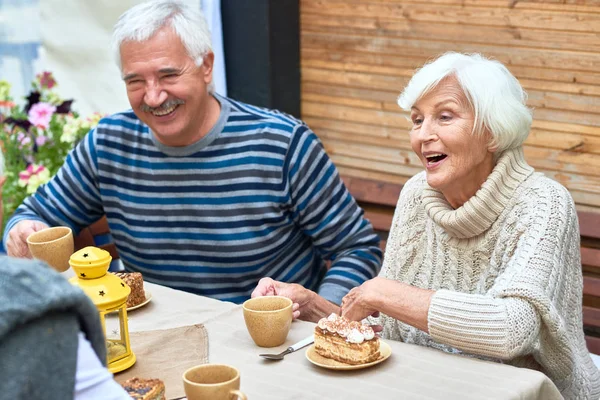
{"x":479,"y":212}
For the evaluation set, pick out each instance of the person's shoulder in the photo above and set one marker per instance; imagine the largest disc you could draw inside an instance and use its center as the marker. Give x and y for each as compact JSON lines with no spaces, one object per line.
{"x":120,"y":121}
{"x":542,"y":188}
{"x":261,"y":117}
{"x":415,"y":185}
{"x":544,"y":196}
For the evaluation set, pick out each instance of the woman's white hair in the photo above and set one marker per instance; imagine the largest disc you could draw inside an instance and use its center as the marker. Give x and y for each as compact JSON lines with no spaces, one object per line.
{"x":497,"y":98}
{"x":141,"y":22}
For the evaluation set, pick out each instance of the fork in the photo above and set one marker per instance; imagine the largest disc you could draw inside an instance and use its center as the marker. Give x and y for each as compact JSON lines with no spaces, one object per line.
{"x":303,"y":343}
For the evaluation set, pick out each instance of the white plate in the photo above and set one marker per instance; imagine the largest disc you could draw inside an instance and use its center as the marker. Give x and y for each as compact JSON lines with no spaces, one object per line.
{"x":148,"y":298}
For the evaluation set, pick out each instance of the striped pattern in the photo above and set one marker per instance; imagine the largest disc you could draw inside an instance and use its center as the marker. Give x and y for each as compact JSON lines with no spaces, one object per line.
{"x":257,"y":196}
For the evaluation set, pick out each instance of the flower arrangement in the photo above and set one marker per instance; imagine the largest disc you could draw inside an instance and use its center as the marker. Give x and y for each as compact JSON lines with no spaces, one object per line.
{"x":36,"y":138}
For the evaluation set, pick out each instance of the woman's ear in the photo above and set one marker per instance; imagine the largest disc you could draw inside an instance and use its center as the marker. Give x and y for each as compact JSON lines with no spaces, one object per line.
{"x":492,"y":142}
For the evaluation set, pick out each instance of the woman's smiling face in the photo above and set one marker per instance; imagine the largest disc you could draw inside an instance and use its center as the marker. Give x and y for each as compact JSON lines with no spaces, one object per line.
{"x":457,"y":160}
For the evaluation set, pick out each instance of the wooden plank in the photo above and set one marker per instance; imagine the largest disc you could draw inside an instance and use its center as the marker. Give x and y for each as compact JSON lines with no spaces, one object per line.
{"x":377,"y":175}
{"x":392,"y":84}
{"x":532,"y":57}
{"x":563,"y":101}
{"x":586,"y":6}
{"x":344,"y":113}
{"x":502,"y":35}
{"x":593,"y":344}
{"x":375,"y":166}
{"x":565,"y":127}
{"x":391,"y":64}
{"x":591,"y":316}
{"x":370,"y":191}
{"x":398,"y":149}
{"x":568,"y":162}
{"x":564,"y":141}
{"x":330,"y":91}
{"x":590,"y":257}
{"x":380,"y":88}
{"x":589,"y":225}
{"x":371,"y":131}
{"x":591,"y":286}
{"x":380,"y":219}
{"x":454,"y":13}
{"x":387,"y":136}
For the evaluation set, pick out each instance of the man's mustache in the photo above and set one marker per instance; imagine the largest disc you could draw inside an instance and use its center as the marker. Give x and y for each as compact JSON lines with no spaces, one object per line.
{"x":164,"y":106}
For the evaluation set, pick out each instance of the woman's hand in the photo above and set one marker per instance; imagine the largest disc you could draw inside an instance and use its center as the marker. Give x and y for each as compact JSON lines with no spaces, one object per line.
{"x":359,"y":303}
{"x":398,"y":300}
{"x":308,"y":305}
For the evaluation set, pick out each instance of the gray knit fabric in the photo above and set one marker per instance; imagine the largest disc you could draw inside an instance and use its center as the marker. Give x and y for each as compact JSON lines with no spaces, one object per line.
{"x":41,"y":314}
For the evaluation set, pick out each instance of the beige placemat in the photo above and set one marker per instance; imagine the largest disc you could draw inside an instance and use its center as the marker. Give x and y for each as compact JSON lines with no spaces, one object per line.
{"x":166,"y":355}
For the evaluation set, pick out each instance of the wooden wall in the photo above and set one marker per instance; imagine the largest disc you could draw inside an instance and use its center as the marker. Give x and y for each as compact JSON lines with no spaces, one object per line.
{"x":357,"y":55}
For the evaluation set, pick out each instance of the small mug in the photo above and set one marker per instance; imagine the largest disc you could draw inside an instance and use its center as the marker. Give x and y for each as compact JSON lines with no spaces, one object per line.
{"x":268,"y":319}
{"x":52,"y":245}
{"x":212,"y":381}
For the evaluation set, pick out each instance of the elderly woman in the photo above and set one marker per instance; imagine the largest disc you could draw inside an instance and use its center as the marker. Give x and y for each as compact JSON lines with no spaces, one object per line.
{"x":483,"y":255}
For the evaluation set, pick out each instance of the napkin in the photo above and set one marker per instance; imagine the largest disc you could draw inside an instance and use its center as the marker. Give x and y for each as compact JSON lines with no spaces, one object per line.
{"x":166,"y":355}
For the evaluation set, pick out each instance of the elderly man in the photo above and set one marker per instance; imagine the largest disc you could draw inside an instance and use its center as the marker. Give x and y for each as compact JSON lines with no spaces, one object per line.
{"x":203,"y":193}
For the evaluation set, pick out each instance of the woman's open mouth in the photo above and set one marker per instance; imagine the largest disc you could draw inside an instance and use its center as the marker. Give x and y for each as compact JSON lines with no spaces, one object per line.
{"x":434,"y":159}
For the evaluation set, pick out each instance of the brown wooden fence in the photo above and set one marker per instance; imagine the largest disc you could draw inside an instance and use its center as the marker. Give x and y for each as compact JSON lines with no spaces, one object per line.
{"x":357,"y":55}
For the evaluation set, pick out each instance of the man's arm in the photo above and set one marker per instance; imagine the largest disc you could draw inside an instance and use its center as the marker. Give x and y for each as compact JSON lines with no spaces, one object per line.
{"x":71,"y":198}
{"x":325,"y":211}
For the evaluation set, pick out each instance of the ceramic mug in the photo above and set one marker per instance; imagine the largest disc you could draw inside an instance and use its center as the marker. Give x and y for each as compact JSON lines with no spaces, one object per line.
{"x":268,"y":319}
{"x":212,"y":381}
{"x":52,"y":245}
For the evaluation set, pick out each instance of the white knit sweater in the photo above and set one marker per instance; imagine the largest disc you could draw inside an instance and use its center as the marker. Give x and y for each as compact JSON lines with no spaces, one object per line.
{"x":506,"y":269}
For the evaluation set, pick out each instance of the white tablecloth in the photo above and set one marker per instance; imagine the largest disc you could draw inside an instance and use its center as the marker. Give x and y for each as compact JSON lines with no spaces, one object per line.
{"x":412,"y":372}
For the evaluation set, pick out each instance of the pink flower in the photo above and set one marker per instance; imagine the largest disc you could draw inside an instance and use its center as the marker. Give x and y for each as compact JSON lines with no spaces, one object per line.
{"x":46,"y":80}
{"x":41,"y":140}
{"x":40,"y":114}
{"x":33,"y":177}
{"x":23,"y":140}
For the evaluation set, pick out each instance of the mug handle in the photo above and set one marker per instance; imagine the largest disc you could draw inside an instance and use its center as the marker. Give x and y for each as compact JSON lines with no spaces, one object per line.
{"x":237,"y":394}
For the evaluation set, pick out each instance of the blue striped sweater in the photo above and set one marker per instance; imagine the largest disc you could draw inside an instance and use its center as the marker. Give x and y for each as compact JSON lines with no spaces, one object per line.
{"x":257,"y":196}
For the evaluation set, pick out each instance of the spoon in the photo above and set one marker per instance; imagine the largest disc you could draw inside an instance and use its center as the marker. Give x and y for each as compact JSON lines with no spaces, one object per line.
{"x":291,"y":349}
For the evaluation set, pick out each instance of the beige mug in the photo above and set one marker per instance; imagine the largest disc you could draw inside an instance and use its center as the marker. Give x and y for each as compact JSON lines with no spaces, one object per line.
{"x":52,"y":245}
{"x":212,"y":381}
{"x":268,"y":319}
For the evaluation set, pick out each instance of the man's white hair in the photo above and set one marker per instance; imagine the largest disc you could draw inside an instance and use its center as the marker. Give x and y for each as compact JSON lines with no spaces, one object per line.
{"x":142,"y":21}
{"x":497,"y":98}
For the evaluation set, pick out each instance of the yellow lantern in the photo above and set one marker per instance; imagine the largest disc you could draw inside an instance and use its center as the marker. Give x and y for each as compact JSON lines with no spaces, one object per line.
{"x":109,"y":294}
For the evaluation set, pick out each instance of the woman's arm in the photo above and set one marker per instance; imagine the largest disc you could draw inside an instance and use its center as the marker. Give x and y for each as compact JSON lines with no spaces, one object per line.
{"x":480,"y":324}
{"x":396,"y":299}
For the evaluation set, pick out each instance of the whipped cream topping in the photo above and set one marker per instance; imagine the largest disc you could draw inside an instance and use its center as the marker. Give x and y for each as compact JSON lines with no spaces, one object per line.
{"x":352,"y":331}
{"x":355,"y":336}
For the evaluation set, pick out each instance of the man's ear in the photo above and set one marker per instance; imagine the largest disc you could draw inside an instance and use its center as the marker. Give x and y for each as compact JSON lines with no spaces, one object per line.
{"x":207,"y":66}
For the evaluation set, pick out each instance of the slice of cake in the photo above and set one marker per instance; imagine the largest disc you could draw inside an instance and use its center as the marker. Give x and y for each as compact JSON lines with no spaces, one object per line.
{"x":135,"y":281}
{"x":346,"y":341}
{"x":144,"y":389}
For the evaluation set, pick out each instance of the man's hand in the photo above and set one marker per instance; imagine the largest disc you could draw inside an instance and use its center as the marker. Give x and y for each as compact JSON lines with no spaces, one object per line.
{"x":16,"y":244}
{"x":300,"y":296}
